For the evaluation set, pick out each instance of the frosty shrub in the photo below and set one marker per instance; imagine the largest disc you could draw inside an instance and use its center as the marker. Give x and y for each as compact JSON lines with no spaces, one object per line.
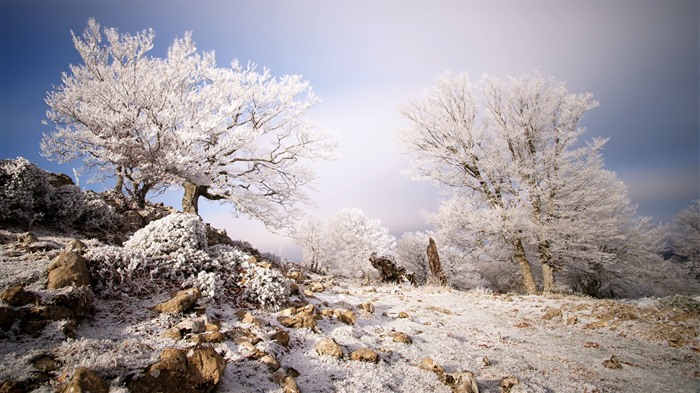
{"x":120,"y":270}
{"x":97,"y":214}
{"x":266,"y":287}
{"x":66,"y":203}
{"x":24,"y":191}
{"x":171,"y":234}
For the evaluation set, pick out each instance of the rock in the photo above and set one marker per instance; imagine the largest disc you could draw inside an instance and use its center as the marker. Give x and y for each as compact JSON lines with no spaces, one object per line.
{"x":209,"y":337}
{"x":298,"y":321}
{"x":463,"y":382}
{"x":365,"y":355}
{"x":551,"y":313}
{"x":402,"y":338}
{"x":76,"y":246}
{"x":249,"y":318}
{"x":389,"y":271}
{"x":76,"y":299}
{"x":195,"y":325}
{"x":271,"y":362}
{"x":46,"y":363}
{"x":296,"y":275}
{"x":345,"y":316}
{"x":281,"y":337}
{"x":289,"y":385}
{"x":485,"y":361}
{"x":367,"y":307}
{"x":429,"y":364}
{"x":182,"y":301}
{"x":241,"y":335}
{"x":12,"y":387}
{"x":403,"y":314}
{"x":328,"y":347}
{"x":27,"y":239}
{"x":508,"y":383}
{"x":86,"y":380}
{"x":316,"y":286}
{"x":436,"y":272}
{"x":572,"y":320}
{"x":17,"y":296}
{"x":217,"y":236}
{"x":612,"y":363}
{"x":173,"y":333}
{"x":69,"y":268}
{"x":59,"y":179}
{"x":191,"y":370}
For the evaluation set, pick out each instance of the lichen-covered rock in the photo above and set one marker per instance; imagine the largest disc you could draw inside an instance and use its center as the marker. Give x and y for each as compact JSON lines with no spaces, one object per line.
{"x":69,"y":268}
{"x":462,"y":382}
{"x":182,"y":301}
{"x":329,"y":347}
{"x":400,"y":337}
{"x":365,"y":355}
{"x":191,"y":370}
{"x":86,"y":380}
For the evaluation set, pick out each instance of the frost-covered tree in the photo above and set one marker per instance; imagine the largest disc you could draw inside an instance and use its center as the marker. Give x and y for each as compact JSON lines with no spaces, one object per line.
{"x":225,"y":133}
{"x":352,"y":238}
{"x":311,"y":235}
{"x":411,"y":253}
{"x":684,"y":237}
{"x":528,"y":189}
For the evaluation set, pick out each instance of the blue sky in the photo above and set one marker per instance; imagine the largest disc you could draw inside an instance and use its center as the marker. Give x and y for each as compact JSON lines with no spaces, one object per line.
{"x":365,"y":59}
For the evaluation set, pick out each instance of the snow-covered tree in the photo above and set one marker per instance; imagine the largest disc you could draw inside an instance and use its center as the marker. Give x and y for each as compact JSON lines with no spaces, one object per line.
{"x":352,"y":238}
{"x":684,"y":238}
{"x":226,"y":133}
{"x":311,"y":235}
{"x":526,"y":185}
{"x":411,"y":253}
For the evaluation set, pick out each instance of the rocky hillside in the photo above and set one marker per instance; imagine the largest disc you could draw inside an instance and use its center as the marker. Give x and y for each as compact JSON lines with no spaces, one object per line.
{"x":64,"y":328}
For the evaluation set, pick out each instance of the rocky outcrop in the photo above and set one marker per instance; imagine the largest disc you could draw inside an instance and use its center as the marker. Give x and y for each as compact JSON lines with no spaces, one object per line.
{"x":389,"y":271}
{"x":69,"y":268}
{"x":191,"y":370}
{"x":436,"y":272}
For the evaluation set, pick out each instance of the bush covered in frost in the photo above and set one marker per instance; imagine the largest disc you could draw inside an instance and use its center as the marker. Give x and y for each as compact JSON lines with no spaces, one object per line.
{"x":27,"y":197}
{"x":24,"y":191}
{"x":174,"y":251}
{"x":266,"y":287}
{"x":174,"y":233}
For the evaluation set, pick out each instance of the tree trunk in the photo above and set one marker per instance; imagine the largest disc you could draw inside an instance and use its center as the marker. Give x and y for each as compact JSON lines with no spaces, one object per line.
{"x":521,"y":259}
{"x":547,"y":278}
{"x":190,"y":200}
{"x":434,"y":263}
{"x":140,"y":193}
{"x":119,"y":187}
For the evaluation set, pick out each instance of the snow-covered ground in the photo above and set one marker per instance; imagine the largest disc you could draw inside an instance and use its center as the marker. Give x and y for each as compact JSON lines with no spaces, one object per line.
{"x":554,"y":343}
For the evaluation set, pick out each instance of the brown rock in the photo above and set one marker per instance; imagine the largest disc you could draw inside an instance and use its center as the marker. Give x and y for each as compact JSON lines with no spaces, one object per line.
{"x":249,"y":318}
{"x":9,"y":315}
{"x":76,"y":299}
{"x":345,"y":316}
{"x":12,"y":387}
{"x":17,"y":296}
{"x":436,"y":272}
{"x":403,"y":314}
{"x":46,"y":363}
{"x":289,"y":385}
{"x":191,"y":370}
{"x":402,"y":338}
{"x":281,"y":337}
{"x":298,"y":321}
{"x":316,"y":286}
{"x":271,"y":362}
{"x":86,"y":380}
{"x":209,"y":337}
{"x":173,"y":333}
{"x":551,"y":313}
{"x":182,"y":301}
{"x":368,"y":307}
{"x":429,"y":364}
{"x":329,"y":347}
{"x":27,"y":239}
{"x":69,"y":268}
{"x":612,"y":363}
{"x":463,"y":382}
{"x":508,"y":383}
{"x":242,"y":335}
{"x":76,"y":246}
{"x":365,"y":355}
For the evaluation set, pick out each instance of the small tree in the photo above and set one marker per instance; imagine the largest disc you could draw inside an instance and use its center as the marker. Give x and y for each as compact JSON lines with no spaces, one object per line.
{"x":684,"y":238}
{"x":410,"y":252}
{"x":311,"y":236}
{"x":232,"y":134}
{"x":353,"y":237}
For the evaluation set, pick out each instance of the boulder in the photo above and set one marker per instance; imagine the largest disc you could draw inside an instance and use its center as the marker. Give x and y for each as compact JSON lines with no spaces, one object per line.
{"x":403,"y":315}
{"x":182,"y":301}
{"x":508,"y":383}
{"x":208,"y":337}
{"x":191,"y":370}
{"x":365,"y":355}
{"x":462,"y":382}
{"x":367,"y":307}
{"x":271,"y":362}
{"x":389,"y":271}
{"x":249,"y":318}
{"x":281,"y":337}
{"x":76,"y":246}
{"x":46,"y":363}
{"x":316,"y":286}
{"x":76,"y":299}
{"x":328,"y":347}
{"x":612,"y":363}
{"x":86,"y":380}
{"x":429,"y":364}
{"x":551,"y":313}
{"x":289,"y":385}
{"x":402,"y":338}
{"x":17,"y":296}
{"x":242,"y":335}
{"x":69,"y":268}
{"x":345,"y":316}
